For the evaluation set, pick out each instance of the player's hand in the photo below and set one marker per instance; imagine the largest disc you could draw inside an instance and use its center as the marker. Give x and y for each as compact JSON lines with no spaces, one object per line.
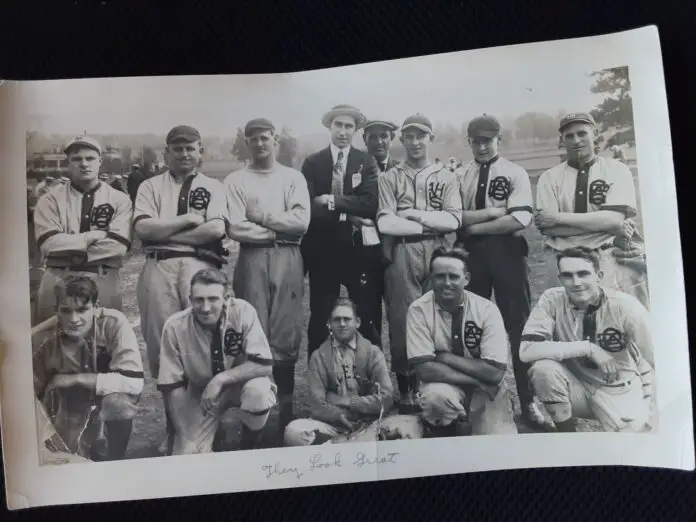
{"x":628,"y":228}
{"x":195,"y":219}
{"x":360,"y":221}
{"x":322,"y":201}
{"x":95,"y":235}
{"x":337,"y":400}
{"x":253,"y":211}
{"x":544,"y":219}
{"x":63,"y":380}
{"x":606,"y":364}
{"x":411,"y":214}
{"x":343,"y":420}
{"x":497,"y":212}
{"x":211,"y":396}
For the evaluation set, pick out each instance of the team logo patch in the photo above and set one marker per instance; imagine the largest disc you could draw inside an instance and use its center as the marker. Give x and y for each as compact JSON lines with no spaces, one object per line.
{"x":102,"y":215}
{"x":598,"y":192}
{"x":499,"y":188}
{"x":435,"y":191}
{"x":199,"y":199}
{"x":611,"y":340}
{"x":232,"y":342}
{"x":472,"y":337}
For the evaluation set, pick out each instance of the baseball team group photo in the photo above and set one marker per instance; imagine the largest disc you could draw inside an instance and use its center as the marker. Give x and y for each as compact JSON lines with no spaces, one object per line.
{"x":261,"y":266}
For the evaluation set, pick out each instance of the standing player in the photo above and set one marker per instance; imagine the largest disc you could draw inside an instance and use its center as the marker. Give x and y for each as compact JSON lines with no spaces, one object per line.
{"x":420,"y":207}
{"x":215,"y":356}
{"x":268,"y":210}
{"x":180,"y":218}
{"x":497,"y":206}
{"x":82,"y":227}
{"x":342,"y":182}
{"x":584,"y":202}
{"x":590,"y":349}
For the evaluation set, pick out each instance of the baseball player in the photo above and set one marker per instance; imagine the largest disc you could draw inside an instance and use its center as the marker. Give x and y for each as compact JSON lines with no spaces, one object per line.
{"x":268,"y":210}
{"x":215,"y":356}
{"x":82,"y":227}
{"x":618,"y":154}
{"x":349,"y":385}
{"x":45,"y":185}
{"x":590,"y":349}
{"x":584,"y":202}
{"x":89,"y":372}
{"x":420,"y":207}
{"x":459,"y":349}
{"x":135,"y":179}
{"x":338,"y":249}
{"x":496,"y":207}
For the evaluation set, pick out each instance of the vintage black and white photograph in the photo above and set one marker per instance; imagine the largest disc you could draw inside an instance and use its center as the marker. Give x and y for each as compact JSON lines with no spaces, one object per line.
{"x":233,"y":264}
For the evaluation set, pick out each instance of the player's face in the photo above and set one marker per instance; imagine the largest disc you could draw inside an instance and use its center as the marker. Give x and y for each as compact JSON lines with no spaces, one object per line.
{"x":343,"y":324}
{"x":580,"y":280}
{"x":83,"y":165}
{"x":75,"y":317}
{"x":449,"y":278}
{"x":207,"y":302}
{"x":483,"y":148}
{"x":342,"y":130}
{"x":378,"y":140}
{"x":183,"y":157}
{"x":578,"y":139}
{"x":262,"y":144}
{"x":416,"y":142}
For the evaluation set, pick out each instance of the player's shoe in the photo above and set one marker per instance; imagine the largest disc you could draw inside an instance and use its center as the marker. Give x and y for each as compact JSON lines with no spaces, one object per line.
{"x":408,"y":404}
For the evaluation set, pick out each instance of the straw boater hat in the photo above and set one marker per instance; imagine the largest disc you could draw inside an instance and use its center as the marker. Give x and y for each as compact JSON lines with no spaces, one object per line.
{"x":344,"y":110}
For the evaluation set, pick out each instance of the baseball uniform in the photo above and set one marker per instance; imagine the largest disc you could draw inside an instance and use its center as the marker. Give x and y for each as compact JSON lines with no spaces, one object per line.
{"x":74,"y":411}
{"x":61,"y":219}
{"x":165,"y":281}
{"x":498,"y":262}
{"x":556,"y":341}
{"x":191,"y":356}
{"x":475,"y":330}
{"x":603,"y":184}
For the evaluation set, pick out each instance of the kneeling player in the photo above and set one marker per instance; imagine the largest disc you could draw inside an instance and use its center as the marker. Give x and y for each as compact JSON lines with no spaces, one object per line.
{"x":215,"y":356}
{"x":89,"y":374}
{"x":350,"y":388}
{"x":590,"y":350}
{"x":459,"y":349}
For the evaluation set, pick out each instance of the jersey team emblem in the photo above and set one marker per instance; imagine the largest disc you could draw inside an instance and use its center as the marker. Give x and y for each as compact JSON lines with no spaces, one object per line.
{"x":472,"y":337}
{"x":232,"y":342}
{"x":199,"y":199}
{"x":611,"y":340}
{"x":102,"y":215}
{"x":435,"y":191}
{"x":598,"y":192}
{"x":499,"y":188}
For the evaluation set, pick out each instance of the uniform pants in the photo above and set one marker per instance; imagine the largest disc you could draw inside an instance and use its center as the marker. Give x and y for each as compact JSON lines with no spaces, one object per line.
{"x":444,"y":403}
{"x":254,"y":399}
{"x":499,"y":263}
{"x":405,"y":280}
{"x":107,"y":283}
{"x":272,"y":280}
{"x":360,"y":270}
{"x":617,"y":408}
{"x":164,"y":288}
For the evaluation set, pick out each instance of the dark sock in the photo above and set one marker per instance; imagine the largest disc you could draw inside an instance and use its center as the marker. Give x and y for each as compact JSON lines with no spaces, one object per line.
{"x":413,"y":382}
{"x":118,"y":434}
{"x":402,"y":382}
{"x":250,"y":438}
{"x":169,"y":429}
{"x":220,"y":439}
{"x":566,"y":426}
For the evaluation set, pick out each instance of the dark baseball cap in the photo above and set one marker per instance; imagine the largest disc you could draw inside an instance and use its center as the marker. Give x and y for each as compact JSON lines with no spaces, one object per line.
{"x":485,"y":126}
{"x":419,"y":122}
{"x":381,"y":123}
{"x":262,"y":124}
{"x":183,"y":133}
{"x":576,"y":117}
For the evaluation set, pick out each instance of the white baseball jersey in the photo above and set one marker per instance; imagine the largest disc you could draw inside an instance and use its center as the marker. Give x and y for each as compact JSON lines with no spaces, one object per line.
{"x":618,"y":324}
{"x":280,"y":193}
{"x":191,"y":354}
{"x":606,"y":184}
{"x":163,"y":197}
{"x":65,"y":213}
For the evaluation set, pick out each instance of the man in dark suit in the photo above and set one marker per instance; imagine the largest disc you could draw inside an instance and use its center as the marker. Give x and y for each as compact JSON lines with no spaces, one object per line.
{"x":337,"y":249}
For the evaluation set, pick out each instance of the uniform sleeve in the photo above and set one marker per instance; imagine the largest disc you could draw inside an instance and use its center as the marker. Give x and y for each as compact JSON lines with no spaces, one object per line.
{"x":452,"y":199}
{"x":239,"y":228}
{"x":217,"y":206}
{"x":621,"y":196}
{"x":50,"y":234}
{"x":145,"y":202}
{"x":520,"y":200}
{"x":171,"y":370}
{"x":118,"y":238}
{"x":126,"y":366}
{"x":256,"y":345}
{"x":42,"y":369}
{"x":420,"y":346}
{"x":545,"y":196}
{"x":463,"y":174}
{"x":295,"y":219}
{"x":495,"y":348}
{"x":387,"y":194}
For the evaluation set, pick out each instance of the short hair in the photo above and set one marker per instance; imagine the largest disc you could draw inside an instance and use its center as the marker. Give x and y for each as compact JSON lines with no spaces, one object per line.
{"x":344,"y":301}
{"x":80,"y":288}
{"x":211,"y":276}
{"x":457,"y":252}
{"x":580,"y":252}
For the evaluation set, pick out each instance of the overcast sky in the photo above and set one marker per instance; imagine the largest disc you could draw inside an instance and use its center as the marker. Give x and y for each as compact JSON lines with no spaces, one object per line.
{"x":450,"y":87}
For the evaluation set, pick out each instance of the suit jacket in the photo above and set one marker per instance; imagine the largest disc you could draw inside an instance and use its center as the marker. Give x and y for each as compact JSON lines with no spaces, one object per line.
{"x":326,"y":232}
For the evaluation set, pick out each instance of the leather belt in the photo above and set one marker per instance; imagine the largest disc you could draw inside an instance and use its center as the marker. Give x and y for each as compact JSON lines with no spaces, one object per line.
{"x":92,"y":269}
{"x":418,"y":238}
{"x":161,"y":255}
{"x":267,"y":245}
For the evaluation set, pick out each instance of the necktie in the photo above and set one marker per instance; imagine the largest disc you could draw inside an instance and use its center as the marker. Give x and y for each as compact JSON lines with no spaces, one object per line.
{"x":480,"y":201}
{"x":337,"y":180}
{"x":581,"y":186}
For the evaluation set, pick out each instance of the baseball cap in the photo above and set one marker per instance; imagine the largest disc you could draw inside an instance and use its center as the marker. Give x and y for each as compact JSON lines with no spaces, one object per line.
{"x":419,"y":122}
{"x":262,"y":124}
{"x":184,"y":133}
{"x":576,"y":117}
{"x":341,"y":110}
{"x":381,"y":123}
{"x":485,"y":126}
{"x":83,"y":141}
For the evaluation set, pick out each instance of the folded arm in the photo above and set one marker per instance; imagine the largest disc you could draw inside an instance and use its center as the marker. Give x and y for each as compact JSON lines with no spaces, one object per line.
{"x":118,"y":237}
{"x":600,"y":221}
{"x":371,"y":404}
{"x":534,"y":348}
{"x":244,"y":372}
{"x":200,"y":235}
{"x":434,"y":371}
{"x":159,"y":230}
{"x":393,"y":225}
{"x":500,"y":226}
